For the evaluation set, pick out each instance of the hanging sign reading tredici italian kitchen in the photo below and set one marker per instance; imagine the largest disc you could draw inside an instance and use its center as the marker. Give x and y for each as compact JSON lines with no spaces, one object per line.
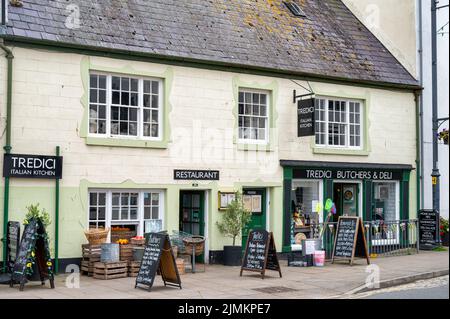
{"x":202,"y":175}
{"x":32,"y":166}
{"x":306,"y":117}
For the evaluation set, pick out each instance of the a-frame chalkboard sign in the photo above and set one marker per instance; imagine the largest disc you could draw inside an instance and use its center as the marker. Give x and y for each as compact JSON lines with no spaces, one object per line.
{"x":12,"y":244}
{"x":33,"y":255}
{"x":260,"y":253}
{"x":350,"y":240}
{"x":158,"y":259}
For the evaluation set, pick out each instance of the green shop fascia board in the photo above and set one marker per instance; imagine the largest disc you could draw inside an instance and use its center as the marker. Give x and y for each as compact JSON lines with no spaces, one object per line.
{"x":197,"y":63}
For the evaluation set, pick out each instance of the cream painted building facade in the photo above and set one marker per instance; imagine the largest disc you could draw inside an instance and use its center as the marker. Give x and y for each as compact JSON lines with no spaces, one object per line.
{"x":364,"y":145}
{"x":48,"y":111}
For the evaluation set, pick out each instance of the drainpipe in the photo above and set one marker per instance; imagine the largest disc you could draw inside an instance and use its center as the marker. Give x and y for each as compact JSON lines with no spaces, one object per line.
{"x":9,"y":56}
{"x":421,"y":80}
{"x":417,"y":99}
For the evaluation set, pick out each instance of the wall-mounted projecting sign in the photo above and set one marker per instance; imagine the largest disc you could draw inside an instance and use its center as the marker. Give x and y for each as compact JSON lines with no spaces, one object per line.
{"x":306,"y":117}
{"x":32,"y":166}
{"x":196,"y":175}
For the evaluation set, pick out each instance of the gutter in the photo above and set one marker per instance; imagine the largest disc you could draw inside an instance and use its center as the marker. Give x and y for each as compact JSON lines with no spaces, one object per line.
{"x":198,"y":63}
{"x":10,"y":57}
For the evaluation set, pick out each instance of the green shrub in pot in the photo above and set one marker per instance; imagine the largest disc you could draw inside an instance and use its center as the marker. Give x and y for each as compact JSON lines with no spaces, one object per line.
{"x":234,"y":219}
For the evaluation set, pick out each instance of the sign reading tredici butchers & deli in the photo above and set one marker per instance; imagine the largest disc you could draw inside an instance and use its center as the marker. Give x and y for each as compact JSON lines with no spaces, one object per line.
{"x":196,"y":175}
{"x":379,"y":175}
{"x":32,"y":166}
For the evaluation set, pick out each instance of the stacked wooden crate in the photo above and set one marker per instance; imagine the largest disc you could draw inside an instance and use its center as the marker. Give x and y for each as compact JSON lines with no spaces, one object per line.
{"x":90,"y":255}
{"x":133,"y":268}
{"x":110,"y":270}
{"x":126,"y":252}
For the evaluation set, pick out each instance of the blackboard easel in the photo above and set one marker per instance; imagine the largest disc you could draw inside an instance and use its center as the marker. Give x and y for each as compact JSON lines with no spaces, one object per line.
{"x":350,"y":240}
{"x":158,"y":259}
{"x":260,"y":253}
{"x":12,"y":244}
{"x":33,"y":240}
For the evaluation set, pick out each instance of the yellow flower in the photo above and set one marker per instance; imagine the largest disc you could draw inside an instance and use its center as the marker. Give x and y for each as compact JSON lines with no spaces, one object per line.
{"x":29,"y":265}
{"x":32,"y":253}
{"x":49,"y":263}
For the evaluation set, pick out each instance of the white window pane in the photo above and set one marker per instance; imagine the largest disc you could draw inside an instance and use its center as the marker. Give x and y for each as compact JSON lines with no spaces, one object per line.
{"x":93,"y":213}
{"x":101,"y":213}
{"x":93,"y":199}
{"x":155,"y":199}
{"x":133,"y":213}
{"x":155,"y":212}
{"x":263,"y":110}
{"x":147,"y":213}
{"x":115,"y":214}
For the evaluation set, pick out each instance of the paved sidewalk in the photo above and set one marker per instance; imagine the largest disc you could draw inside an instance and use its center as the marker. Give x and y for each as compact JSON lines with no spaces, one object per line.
{"x":220,"y":282}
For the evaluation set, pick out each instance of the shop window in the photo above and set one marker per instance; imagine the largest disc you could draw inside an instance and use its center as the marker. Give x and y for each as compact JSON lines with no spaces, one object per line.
{"x":140,"y":211}
{"x":386,"y":199}
{"x":304,"y":207}
{"x":253,"y":116}
{"x":386,"y":210}
{"x":338,"y":123}
{"x":122,"y":106}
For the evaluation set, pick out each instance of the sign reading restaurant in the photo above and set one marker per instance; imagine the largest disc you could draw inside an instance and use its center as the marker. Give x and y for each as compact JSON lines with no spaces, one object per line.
{"x":32,"y":166}
{"x":196,"y":175}
{"x":382,"y":175}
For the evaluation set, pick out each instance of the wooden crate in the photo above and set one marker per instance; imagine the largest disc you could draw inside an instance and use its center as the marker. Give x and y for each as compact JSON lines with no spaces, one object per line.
{"x":133,"y":268}
{"x":110,"y":270}
{"x":137,"y":242}
{"x":116,"y":235}
{"x":181,"y":266}
{"x":87,"y":268}
{"x":90,"y":255}
{"x":91,"y":252}
{"x":126,"y":252}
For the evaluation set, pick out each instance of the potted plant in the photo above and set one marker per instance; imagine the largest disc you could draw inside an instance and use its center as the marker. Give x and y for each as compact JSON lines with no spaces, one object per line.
{"x":233,"y":221}
{"x":444,"y":231}
{"x":443,"y":136}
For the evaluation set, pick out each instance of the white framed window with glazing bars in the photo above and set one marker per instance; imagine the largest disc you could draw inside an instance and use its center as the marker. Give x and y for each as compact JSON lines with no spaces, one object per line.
{"x":339,"y":123}
{"x":122,"y":106}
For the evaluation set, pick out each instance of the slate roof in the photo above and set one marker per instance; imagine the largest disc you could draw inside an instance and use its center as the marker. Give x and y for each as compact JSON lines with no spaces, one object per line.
{"x":329,"y":42}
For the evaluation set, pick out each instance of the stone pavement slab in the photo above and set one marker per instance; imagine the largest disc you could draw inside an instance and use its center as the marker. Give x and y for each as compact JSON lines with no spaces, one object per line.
{"x":220,"y":282}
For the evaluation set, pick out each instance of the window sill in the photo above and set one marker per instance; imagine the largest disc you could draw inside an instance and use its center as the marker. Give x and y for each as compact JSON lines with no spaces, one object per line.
{"x":243,"y":146}
{"x":117,"y":142}
{"x":337,"y":151}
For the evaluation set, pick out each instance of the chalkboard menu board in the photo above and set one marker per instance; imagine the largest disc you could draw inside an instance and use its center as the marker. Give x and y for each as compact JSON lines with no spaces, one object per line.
{"x":350,"y":240}
{"x":158,"y":255}
{"x":428,"y":229}
{"x":27,"y":244}
{"x":13,"y":241}
{"x":260,"y":253}
{"x":33,"y":241}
